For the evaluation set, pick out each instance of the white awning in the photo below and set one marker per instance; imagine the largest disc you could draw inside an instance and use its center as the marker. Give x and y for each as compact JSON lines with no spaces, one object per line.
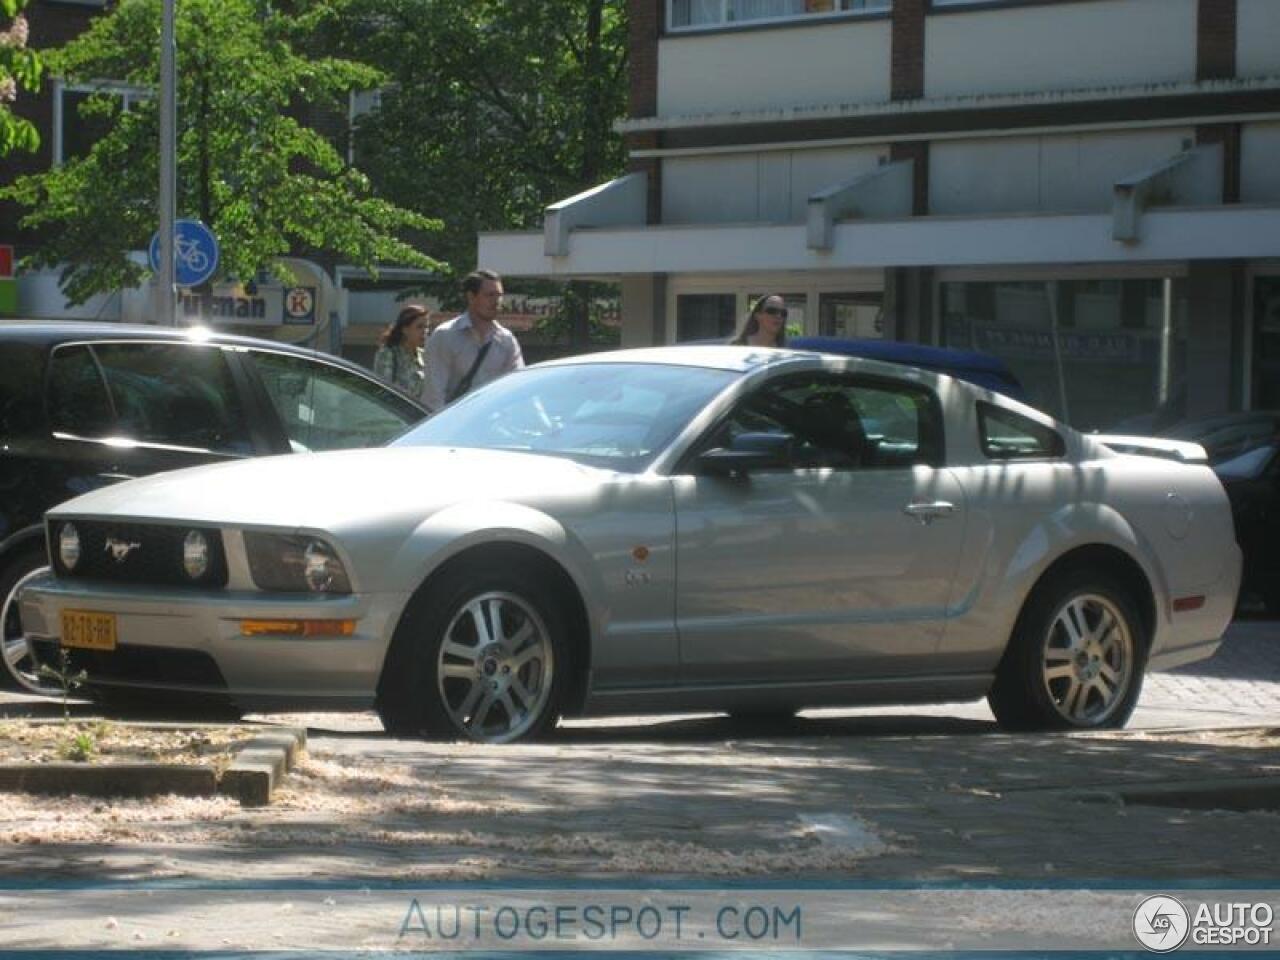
{"x":1201,"y":233}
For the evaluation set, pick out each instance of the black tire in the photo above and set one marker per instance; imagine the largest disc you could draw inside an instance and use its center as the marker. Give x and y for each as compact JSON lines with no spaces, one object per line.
{"x":1047,"y":682}
{"x":19,"y":675}
{"x":415,"y":700}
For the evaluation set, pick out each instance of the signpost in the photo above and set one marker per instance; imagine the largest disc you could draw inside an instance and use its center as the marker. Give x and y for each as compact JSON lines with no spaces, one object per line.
{"x":8,"y":285}
{"x":195,"y":252}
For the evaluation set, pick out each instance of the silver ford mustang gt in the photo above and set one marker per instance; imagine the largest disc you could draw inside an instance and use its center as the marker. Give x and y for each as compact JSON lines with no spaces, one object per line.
{"x":701,"y":528}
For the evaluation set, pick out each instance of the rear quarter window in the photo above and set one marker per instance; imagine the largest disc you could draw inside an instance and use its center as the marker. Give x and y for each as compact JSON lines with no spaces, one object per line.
{"x":1005,"y":435}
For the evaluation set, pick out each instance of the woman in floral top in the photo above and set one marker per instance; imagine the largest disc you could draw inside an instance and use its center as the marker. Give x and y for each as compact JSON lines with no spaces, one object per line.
{"x":399,"y":357}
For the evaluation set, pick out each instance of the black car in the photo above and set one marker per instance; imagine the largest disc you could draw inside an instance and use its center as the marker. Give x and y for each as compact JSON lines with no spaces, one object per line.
{"x":87,"y":404}
{"x":1244,"y":450}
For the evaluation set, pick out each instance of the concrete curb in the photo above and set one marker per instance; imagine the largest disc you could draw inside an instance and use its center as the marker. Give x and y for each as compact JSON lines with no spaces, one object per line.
{"x":110,"y":780}
{"x":261,"y":764}
{"x":256,"y":769}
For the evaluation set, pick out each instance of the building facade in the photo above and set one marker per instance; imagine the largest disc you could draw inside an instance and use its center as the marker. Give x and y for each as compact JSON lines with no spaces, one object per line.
{"x":1087,"y":188}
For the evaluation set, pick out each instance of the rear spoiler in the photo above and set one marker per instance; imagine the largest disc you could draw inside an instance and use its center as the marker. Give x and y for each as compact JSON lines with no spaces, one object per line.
{"x":1178,"y":450}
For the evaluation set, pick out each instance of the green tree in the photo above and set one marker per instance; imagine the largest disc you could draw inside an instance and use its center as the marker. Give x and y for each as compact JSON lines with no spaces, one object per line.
{"x":493,"y":108}
{"x":264,"y":181}
{"x":20,"y":69}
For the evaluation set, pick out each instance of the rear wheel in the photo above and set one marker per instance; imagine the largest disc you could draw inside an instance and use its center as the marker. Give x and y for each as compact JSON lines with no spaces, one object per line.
{"x":1075,"y":660}
{"x":479,"y":655}
{"x":20,"y":667}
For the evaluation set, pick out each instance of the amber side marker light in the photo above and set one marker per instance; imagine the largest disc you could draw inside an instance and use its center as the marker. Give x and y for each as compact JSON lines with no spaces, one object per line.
{"x":298,"y":628}
{"x":1183,"y":604}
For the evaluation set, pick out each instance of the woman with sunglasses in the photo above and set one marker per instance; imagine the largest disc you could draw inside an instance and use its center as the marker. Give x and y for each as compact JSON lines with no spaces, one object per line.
{"x":766,"y":324}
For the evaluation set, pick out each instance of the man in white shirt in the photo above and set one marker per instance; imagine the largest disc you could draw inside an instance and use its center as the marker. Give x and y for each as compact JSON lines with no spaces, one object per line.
{"x":471,"y":349}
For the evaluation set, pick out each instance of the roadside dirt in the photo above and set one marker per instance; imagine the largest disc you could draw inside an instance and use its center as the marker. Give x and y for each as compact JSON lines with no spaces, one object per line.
{"x":102,"y":741}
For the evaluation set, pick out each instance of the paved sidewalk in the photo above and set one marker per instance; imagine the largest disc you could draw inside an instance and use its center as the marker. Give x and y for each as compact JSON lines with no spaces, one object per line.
{"x":908,"y":795}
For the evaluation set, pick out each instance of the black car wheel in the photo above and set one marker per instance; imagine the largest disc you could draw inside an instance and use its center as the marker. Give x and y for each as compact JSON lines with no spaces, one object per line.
{"x":480,"y":655}
{"x":21,"y":670}
{"x":1075,"y":660}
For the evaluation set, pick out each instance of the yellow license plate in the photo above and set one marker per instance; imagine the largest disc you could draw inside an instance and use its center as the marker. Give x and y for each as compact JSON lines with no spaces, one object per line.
{"x":88,"y":630}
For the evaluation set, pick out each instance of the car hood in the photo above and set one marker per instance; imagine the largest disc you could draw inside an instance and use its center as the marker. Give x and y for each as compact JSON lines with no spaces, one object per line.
{"x":332,"y":490}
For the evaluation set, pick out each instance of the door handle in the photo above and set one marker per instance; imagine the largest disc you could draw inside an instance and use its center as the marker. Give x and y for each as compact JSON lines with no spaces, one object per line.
{"x":927,"y":512}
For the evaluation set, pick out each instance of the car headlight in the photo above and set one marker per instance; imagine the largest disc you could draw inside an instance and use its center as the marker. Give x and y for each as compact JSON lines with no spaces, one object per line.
{"x":69,"y":545}
{"x":290,"y":563}
{"x":195,"y":554}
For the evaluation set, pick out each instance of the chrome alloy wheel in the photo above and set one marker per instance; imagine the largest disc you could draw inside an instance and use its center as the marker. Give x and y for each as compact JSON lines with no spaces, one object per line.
{"x":18,"y":659}
{"x":495,"y":668}
{"x":1088,"y":659}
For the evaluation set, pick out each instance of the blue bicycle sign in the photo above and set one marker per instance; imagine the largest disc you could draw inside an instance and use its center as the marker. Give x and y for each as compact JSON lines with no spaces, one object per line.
{"x":195,"y":252}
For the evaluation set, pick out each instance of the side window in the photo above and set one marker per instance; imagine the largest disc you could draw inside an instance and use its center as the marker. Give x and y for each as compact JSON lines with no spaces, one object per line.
{"x":1006,"y":435}
{"x":327,"y":408}
{"x":175,"y":393}
{"x":843,"y":422}
{"x":77,"y":395}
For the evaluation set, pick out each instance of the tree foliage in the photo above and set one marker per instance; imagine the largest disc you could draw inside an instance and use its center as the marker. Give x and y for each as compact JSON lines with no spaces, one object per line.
{"x":492,"y":109}
{"x":264,"y":181}
{"x":20,"y":69}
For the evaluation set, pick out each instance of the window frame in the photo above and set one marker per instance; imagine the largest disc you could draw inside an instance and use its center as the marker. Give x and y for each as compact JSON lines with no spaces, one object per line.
{"x":262,"y":395}
{"x":724,"y":23}
{"x":984,"y":409}
{"x":129,"y":93}
{"x":932,"y":450}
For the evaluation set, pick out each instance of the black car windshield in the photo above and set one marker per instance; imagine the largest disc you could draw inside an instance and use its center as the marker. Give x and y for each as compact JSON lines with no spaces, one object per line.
{"x":614,"y":415}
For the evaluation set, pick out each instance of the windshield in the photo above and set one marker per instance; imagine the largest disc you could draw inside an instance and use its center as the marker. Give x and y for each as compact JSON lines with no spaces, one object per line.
{"x":614,"y":415}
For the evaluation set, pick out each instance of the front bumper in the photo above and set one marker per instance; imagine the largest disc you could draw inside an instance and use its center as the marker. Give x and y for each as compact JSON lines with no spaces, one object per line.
{"x":184,"y":640}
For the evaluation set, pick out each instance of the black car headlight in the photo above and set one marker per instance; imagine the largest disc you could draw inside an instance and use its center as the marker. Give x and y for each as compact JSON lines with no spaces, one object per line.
{"x":295,"y":564}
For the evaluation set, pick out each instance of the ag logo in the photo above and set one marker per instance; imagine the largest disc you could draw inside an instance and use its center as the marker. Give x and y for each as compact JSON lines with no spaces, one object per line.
{"x":1161,"y":924}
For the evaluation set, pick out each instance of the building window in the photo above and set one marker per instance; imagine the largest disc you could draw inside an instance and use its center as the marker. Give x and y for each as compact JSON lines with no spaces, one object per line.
{"x":705,"y":316}
{"x":709,"y":14}
{"x":1266,"y":343}
{"x":80,"y":119}
{"x":1100,"y":354}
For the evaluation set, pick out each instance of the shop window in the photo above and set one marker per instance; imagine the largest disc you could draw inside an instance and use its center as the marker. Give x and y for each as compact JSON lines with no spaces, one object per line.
{"x":857,"y":315}
{"x":1099,"y":353}
{"x":1266,"y":343}
{"x":705,"y":316}
{"x":707,"y":14}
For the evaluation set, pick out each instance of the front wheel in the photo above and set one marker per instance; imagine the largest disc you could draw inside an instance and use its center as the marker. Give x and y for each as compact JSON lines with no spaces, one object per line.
{"x":20,"y":667}
{"x":1075,"y":660}
{"x":479,"y":655}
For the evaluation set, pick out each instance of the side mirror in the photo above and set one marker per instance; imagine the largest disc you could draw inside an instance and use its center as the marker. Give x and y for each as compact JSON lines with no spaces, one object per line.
{"x":747,"y":452}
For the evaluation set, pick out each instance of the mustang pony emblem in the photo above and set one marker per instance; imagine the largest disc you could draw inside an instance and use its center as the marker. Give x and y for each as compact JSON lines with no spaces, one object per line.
{"x":120,"y":549}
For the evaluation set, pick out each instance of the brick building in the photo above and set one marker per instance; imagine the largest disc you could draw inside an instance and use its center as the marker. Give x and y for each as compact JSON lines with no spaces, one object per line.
{"x":1089,"y":188}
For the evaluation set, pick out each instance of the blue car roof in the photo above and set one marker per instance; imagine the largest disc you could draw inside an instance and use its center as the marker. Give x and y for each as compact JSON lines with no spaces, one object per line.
{"x":981,"y":369}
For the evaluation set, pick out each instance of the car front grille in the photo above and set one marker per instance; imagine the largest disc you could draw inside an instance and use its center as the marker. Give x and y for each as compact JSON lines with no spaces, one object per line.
{"x":141,"y":553}
{"x":126,"y":664}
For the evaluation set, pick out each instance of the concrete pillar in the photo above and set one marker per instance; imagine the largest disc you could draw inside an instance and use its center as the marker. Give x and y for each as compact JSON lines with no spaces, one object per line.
{"x":644,"y":310}
{"x":909,"y":304}
{"x":1216,"y":325}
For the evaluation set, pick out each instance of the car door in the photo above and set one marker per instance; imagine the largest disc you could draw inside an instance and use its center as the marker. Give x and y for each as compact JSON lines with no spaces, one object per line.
{"x":126,"y":409}
{"x":837,"y":565}
{"x":324,"y":406}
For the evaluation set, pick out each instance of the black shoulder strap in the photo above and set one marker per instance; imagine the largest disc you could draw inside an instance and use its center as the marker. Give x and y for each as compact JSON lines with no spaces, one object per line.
{"x":465,"y":383}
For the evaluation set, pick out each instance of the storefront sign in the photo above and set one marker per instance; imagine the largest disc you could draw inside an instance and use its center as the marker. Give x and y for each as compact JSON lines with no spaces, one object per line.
{"x":1011,"y":342}
{"x":267,"y":305}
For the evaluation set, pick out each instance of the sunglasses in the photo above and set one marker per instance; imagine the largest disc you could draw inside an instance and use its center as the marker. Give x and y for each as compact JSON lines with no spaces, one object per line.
{"x":775,"y":311}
